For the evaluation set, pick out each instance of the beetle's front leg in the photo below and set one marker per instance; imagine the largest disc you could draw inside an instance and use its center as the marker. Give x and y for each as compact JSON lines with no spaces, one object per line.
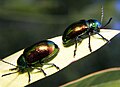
{"x":101,"y":36}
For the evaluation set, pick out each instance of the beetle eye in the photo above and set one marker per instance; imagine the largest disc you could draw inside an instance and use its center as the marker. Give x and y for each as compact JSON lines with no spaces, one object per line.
{"x":93,"y":25}
{"x":98,"y":25}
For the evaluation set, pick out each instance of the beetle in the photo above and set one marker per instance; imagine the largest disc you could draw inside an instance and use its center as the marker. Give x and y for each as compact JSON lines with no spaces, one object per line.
{"x":80,"y":30}
{"x":35,"y":56}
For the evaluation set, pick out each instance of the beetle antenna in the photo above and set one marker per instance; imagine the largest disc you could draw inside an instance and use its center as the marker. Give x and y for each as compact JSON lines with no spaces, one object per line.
{"x":9,"y":73}
{"x":107,"y":22}
{"x":7,"y":62}
{"x":102,"y":11}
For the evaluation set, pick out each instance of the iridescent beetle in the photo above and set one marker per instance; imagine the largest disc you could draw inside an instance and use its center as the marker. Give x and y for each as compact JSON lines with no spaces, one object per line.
{"x":35,"y":56}
{"x":81,"y":29}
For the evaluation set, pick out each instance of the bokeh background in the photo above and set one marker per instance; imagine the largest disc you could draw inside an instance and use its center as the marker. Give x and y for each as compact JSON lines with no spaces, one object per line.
{"x":24,"y":22}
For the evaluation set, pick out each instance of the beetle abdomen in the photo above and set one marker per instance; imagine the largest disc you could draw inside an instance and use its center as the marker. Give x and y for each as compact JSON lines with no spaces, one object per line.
{"x":39,"y":51}
{"x":74,"y":30}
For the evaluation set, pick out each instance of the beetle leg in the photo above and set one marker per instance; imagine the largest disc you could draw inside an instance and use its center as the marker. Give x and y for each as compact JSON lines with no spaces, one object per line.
{"x":101,"y":36}
{"x":55,"y":66}
{"x":40,"y":70}
{"x":77,"y":39}
{"x":89,"y":45}
{"x":13,"y":69}
{"x":7,"y":62}
{"x":51,"y":64}
{"x":75,"y":48}
{"x":29,"y":79}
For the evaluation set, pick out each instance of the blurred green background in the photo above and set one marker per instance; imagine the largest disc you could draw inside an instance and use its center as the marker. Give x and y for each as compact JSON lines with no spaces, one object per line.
{"x":24,"y":22}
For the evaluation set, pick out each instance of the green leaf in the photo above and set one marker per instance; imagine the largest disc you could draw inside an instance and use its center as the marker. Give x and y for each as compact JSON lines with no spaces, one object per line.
{"x":104,"y":78}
